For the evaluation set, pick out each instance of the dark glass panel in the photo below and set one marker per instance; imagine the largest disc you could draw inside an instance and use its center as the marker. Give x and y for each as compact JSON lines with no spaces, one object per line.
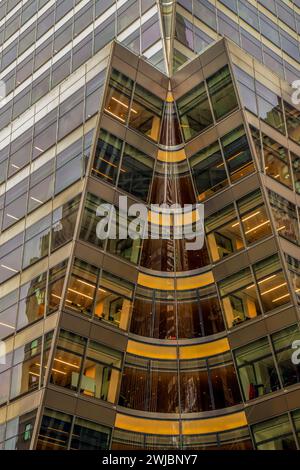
{"x":194,"y":111}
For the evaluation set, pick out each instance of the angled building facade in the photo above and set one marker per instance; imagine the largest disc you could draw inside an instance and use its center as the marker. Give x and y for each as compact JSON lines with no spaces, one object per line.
{"x":143,"y":344}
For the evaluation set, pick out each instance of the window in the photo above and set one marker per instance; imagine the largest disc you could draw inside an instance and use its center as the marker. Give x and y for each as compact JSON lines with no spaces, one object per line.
{"x":89,"y":223}
{"x":272,"y":284}
{"x":224,"y":233}
{"x":282,"y":343}
{"x":107,"y":157}
{"x":10,"y":263}
{"x":201,"y":385}
{"x":251,"y":44}
{"x":136,"y":172}
{"x":194,"y":387}
{"x":237,"y":154}
{"x":239,"y":298}
{"x":89,"y":436}
{"x":81,"y":288}
{"x":296,"y":171}
{"x":194,"y":111}
{"x":256,"y":369}
{"x":118,"y":96}
{"x":294,"y":272}
{"x":222,"y":93}
{"x":246,"y":85}
{"x":228,"y":27}
{"x":41,"y":185}
{"x":8,"y":314}
{"x":145,"y":113}
{"x":67,"y":361}
{"x":255,"y":221}
{"x":37,"y":239}
{"x":101,"y":372}
{"x":209,"y":171}
{"x":296,"y":421}
{"x":113,"y":300}
{"x":125,"y":248}
{"x":26,"y":368}
{"x":18,"y":432}
{"x":274,"y":434}
{"x":32,"y":301}
{"x":224,"y":382}
{"x":285,"y":216}
{"x":184,"y":31}
{"x":54,"y":431}
{"x":63,"y":223}
{"x":270,"y":107}
{"x":277,"y":164}
{"x":269,"y":29}
{"x":55,"y":286}
{"x":69,"y":166}
{"x":249,"y":14}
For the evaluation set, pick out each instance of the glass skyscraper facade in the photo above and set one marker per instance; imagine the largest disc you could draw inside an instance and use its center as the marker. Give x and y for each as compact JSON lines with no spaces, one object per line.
{"x":142,"y":344}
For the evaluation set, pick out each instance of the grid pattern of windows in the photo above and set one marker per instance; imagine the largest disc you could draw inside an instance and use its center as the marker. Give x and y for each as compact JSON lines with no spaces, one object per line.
{"x":280,"y":29}
{"x":227,"y":159}
{"x":266,"y":365}
{"x":99,"y":294}
{"x":269,"y":107}
{"x":24,"y":368}
{"x":32,"y":301}
{"x":280,"y":433}
{"x":38,"y":240}
{"x":60,"y":431}
{"x":16,"y":433}
{"x":86,"y":366}
{"x":259,"y":288}
{"x":237,"y":225}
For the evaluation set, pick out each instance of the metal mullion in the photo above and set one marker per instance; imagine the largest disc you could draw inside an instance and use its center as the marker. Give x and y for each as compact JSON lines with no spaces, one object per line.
{"x":258,"y":294}
{"x":275,"y":361}
{"x":68,"y":446}
{"x":201,"y":320}
{"x":211,"y":391}
{"x":83,"y":356}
